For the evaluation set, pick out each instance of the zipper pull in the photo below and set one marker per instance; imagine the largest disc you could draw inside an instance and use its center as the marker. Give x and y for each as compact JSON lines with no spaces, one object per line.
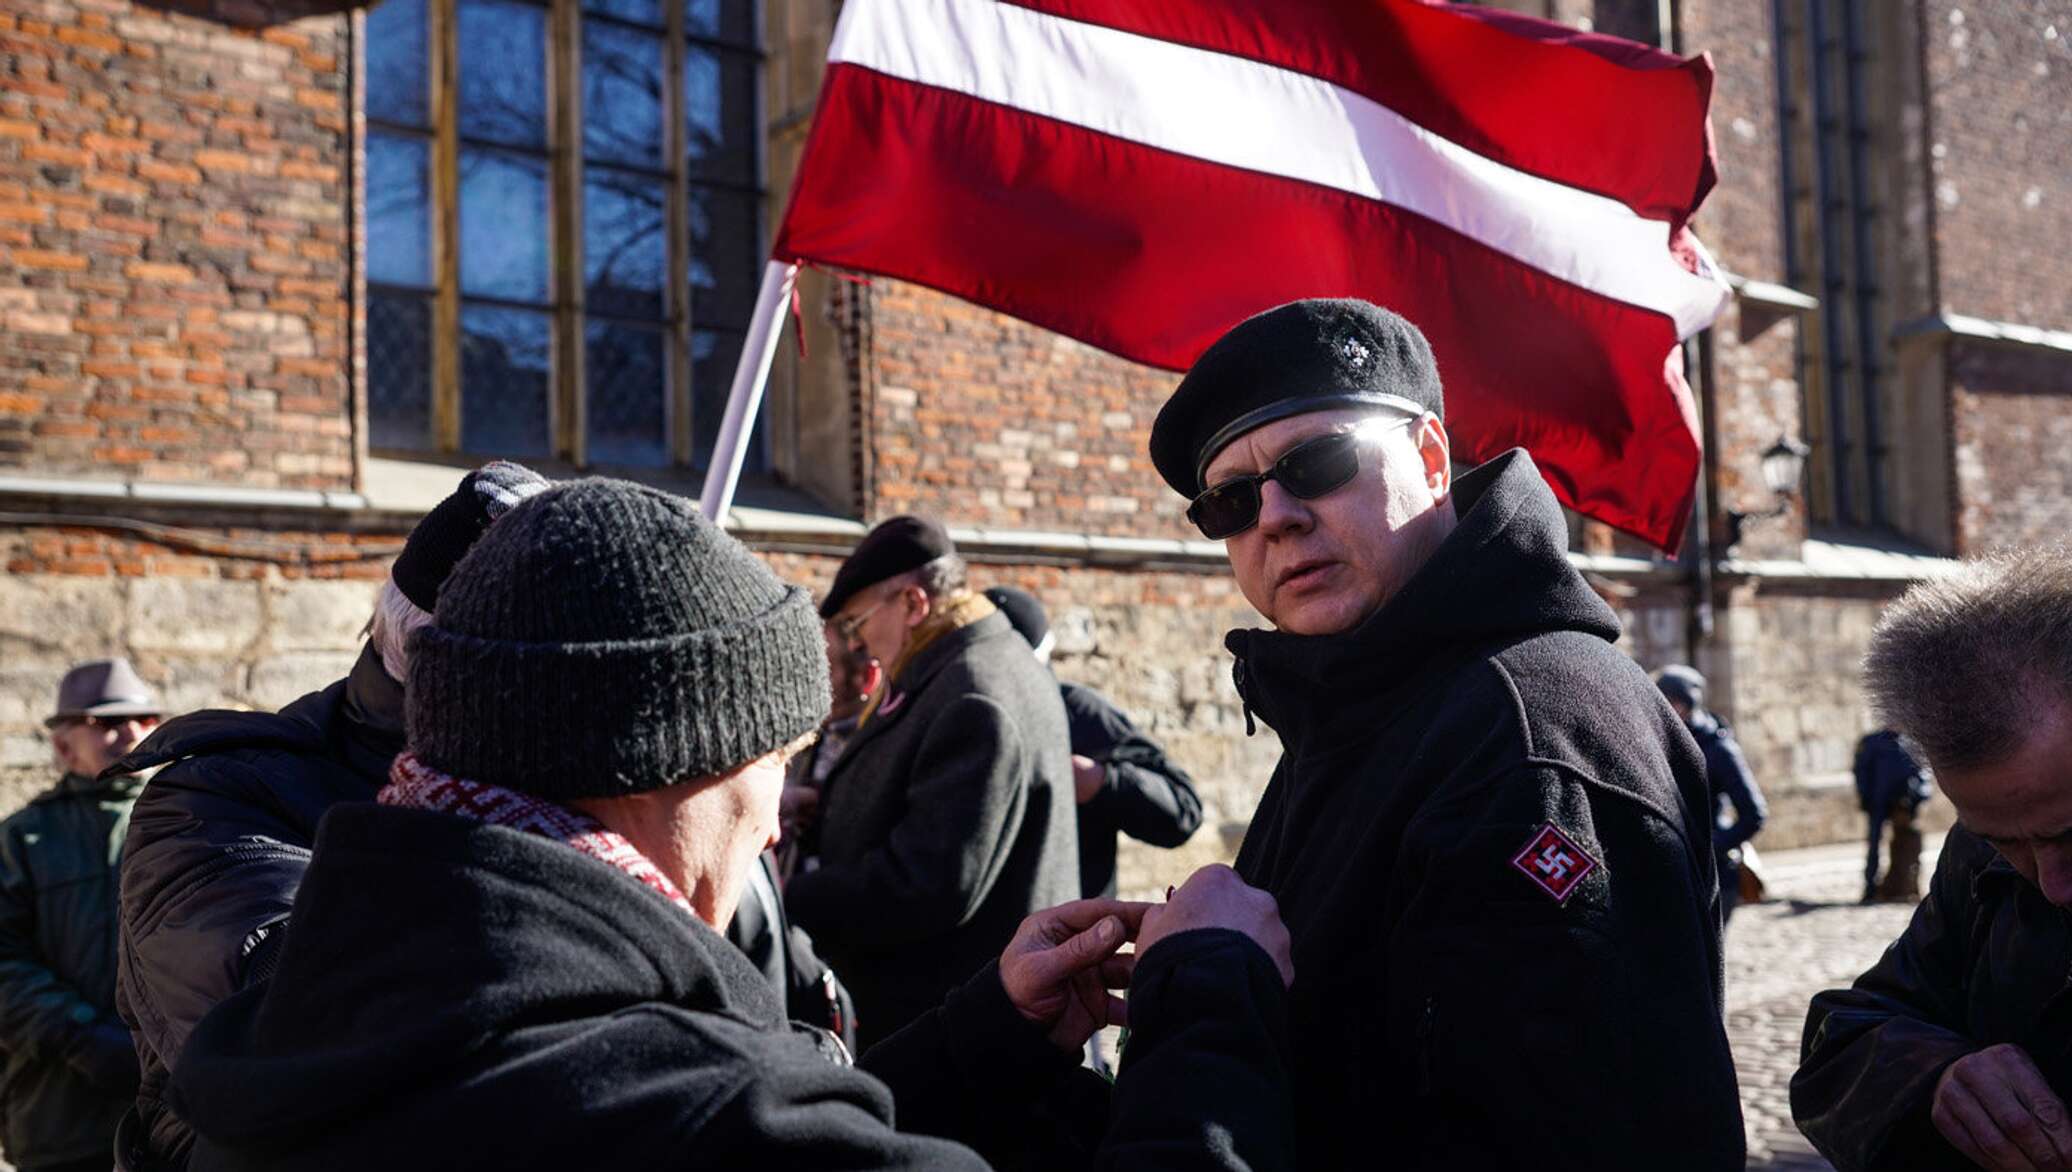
{"x":1237,"y":677}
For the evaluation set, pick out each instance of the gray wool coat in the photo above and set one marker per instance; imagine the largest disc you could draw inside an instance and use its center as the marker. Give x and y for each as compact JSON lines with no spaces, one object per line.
{"x":948,"y":818}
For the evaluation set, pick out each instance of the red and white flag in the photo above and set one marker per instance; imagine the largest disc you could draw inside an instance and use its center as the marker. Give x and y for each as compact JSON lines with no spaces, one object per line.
{"x":1143,"y":174}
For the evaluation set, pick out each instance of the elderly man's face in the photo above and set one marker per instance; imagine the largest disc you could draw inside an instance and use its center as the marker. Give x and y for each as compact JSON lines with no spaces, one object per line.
{"x":2023,"y":805}
{"x":86,"y":747}
{"x":879,"y":617}
{"x":1321,"y":566}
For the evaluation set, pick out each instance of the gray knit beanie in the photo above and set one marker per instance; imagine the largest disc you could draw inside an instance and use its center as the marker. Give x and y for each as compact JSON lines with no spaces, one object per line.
{"x":603,"y":638}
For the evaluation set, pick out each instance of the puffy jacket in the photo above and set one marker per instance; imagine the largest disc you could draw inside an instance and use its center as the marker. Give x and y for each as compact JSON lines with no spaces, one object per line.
{"x":463,"y":996}
{"x":1491,"y":841}
{"x":1733,"y":786}
{"x":69,"y":1072}
{"x":1983,"y":962}
{"x":1143,"y":794}
{"x":216,"y":851}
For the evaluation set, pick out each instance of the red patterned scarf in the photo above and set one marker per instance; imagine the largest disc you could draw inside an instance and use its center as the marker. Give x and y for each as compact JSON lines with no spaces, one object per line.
{"x":414,"y":785}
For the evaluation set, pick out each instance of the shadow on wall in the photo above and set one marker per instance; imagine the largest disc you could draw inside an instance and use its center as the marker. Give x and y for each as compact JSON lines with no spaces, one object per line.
{"x":254,"y":14}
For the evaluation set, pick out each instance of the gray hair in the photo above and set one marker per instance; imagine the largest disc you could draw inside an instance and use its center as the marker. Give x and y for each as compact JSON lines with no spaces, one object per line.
{"x":395,"y":616}
{"x":940,"y":578}
{"x":1962,"y":665}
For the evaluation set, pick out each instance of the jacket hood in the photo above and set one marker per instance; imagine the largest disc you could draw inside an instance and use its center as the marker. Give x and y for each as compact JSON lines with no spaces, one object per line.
{"x":421,"y":937}
{"x":1502,"y":575}
{"x":364,"y":710}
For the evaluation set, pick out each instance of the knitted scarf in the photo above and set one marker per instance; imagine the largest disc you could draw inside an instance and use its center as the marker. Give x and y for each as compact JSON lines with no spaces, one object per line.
{"x":414,"y":785}
{"x":953,"y":613}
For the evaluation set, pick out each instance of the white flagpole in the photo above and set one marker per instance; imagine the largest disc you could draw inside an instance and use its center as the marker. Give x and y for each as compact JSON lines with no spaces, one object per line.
{"x":751,"y":376}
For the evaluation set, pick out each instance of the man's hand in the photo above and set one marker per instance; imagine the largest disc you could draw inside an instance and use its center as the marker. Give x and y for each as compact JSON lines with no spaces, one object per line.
{"x":1088,"y":777}
{"x":1062,"y":962}
{"x":1995,"y":1108}
{"x":1214,"y":897}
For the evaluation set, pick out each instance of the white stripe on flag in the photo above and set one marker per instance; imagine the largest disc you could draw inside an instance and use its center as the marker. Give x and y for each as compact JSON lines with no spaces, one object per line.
{"x":1242,"y":113}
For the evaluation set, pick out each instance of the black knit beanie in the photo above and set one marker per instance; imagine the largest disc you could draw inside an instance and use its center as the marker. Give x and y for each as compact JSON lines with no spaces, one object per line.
{"x":444,"y":535}
{"x":603,"y":638}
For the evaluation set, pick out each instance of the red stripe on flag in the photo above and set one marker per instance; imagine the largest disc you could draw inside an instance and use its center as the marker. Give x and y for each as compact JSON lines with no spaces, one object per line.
{"x":1153,"y":255}
{"x":1508,"y":87}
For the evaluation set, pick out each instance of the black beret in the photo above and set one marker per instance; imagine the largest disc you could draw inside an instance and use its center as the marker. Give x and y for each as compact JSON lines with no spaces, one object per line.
{"x":894,"y":547}
{"x":1023,"y":612}
{"x":1312,"y":355}
{"x":450,"y":529}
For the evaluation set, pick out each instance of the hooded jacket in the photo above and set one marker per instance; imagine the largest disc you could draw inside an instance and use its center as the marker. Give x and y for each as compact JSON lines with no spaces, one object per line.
{"x":67,"y":1072}
{"x":458,"y":995}
{"x":948,"y":818}
{"x":1984,"y":961}
{"x":217,"y":846}
{"x":1490,"y":838}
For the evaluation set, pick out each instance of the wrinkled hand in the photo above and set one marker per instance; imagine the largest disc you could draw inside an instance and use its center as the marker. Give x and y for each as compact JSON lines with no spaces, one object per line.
{"x":1062,"y":962}
{"x":1088,"y":777}
{"x":797,"y":808}
{"x":1214,"y":897}
{"x":1995,"y":1108}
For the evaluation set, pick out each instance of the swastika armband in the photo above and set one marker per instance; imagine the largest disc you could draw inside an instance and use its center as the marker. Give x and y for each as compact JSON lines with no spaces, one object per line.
{"x":1554,"y":863}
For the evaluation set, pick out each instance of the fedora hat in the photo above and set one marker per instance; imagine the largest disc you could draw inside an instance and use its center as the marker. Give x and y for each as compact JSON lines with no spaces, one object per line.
{"x":102,"y":688}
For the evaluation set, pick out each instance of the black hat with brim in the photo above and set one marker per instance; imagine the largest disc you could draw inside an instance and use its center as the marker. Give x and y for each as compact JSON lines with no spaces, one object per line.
{"x":894,"y":547}
{"x":1313,"y":355}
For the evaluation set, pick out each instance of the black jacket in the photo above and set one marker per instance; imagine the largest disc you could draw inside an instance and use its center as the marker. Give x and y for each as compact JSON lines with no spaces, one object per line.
{"x":1886,"y":774}
{"x":463,"y":996}
{"x":67,"y":1072}
{"x":1143,"y":794}
{"x":1733,"y":786}
{"x":217,"y":847}
{"x":1447,"y":1008}
{"x":1983,"y":962}
{"x":948,"y":818}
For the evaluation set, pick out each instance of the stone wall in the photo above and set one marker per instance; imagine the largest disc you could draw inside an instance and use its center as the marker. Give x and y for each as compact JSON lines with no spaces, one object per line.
{"x":173,"y":281}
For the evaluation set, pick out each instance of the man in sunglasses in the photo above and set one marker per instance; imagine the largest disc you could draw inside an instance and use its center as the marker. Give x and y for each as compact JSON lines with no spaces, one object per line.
{"x":1488,"y":834}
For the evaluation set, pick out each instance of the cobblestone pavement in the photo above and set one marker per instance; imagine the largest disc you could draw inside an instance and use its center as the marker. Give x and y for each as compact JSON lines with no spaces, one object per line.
{"x":1809,"y":935}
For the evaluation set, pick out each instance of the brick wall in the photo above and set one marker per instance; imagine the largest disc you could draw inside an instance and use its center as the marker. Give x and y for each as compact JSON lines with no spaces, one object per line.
{"x":2013,"y":423}
{"x":1741,"y":220}
{"x":2000,"y":78}
{"x":172,"y":230}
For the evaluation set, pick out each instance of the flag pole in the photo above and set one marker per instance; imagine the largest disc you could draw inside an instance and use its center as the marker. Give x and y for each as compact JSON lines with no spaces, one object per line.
{"x":751,"y":376}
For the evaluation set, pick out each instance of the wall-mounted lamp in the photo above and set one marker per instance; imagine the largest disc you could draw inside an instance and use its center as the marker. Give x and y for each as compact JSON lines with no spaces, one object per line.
{"x":1783,"y":464}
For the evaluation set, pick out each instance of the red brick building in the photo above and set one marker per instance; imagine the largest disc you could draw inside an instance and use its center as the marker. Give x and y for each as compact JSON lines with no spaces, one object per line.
{"x":268,"y":280}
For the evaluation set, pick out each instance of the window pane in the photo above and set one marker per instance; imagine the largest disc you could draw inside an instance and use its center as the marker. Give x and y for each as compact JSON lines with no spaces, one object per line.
{"x":503,"y":226}
{"x":725,"y":256}
{"x":503,"y":72}
{"x":399,"y":370}
{"x":644,"y":11}
{"x":625,"y":250}
{"x":629,"y":383}
{"x":725,"y":20}
{"x":399,"y":227}
{"x":719,"y":114}
{"x":397,"y":85}
{"x":505,"y":359}
{"x":622,"y":95}
{"x":713,"y":355}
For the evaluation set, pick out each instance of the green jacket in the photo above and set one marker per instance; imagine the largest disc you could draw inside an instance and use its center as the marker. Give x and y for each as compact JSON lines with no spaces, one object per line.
{"x":69,"y":1072}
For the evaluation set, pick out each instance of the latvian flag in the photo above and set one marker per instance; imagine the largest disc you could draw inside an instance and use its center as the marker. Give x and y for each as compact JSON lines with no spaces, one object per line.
{"x":1142,"y":174}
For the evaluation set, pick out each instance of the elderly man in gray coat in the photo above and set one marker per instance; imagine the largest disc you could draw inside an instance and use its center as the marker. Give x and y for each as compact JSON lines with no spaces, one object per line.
{"x":949,"y":816}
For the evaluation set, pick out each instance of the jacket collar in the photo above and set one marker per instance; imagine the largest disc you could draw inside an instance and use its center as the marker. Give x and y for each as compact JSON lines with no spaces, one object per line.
{"x":901,"y":693}
{"x":1500,"y":576}
{"x":78,"y":785}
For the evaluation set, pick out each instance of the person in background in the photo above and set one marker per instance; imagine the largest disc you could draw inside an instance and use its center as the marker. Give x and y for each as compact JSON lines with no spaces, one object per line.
{"x":1123,"y":780}
{"x":221,"y":836}
{"x":1726,"y":771}
{"x":853,"y":674}
{"x":67,"y":1069}
{"x":1891,"y":787}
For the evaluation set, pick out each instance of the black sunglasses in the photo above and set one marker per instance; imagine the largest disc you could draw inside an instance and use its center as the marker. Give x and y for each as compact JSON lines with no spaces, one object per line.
{"x":1308,"y":470}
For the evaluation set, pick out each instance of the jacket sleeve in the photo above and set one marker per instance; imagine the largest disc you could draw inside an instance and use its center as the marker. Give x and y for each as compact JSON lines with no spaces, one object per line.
{"x":1873,"y":1052}
{"x":1730,"y":774}
{"x":1145,"y":795}
{"x":1571,"y":1028}
{"x":41,"y":1015}
{"x":964,"y":803}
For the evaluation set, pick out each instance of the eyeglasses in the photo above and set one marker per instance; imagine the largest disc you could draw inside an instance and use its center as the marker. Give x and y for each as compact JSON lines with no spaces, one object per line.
{"x":846,"y":628}
{"x":1308,"y":470}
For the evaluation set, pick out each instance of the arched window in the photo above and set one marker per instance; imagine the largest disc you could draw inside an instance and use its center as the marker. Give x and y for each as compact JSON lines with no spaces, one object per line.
{"x":564,"y":210}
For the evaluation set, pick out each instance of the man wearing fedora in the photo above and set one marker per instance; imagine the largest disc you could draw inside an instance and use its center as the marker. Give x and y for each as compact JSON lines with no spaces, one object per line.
{"x":69,"y":1070}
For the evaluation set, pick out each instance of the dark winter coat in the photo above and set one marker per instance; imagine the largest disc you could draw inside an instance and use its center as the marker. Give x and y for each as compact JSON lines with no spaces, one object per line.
{"x":1886,"y":774}
{"x":1143,"y":794}
{"x":458,"y":996}
{"x":217,"y":848}
{"x":69,"y":1072}
{"x":1733,"y":786}
{"x":1983,"y":962}
{"x":1448,"y":1009}
{"x":948,"y":818}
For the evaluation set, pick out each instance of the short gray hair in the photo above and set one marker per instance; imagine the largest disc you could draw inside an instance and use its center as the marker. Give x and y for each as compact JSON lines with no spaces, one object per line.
{"x":1961,"y":664}
{"x":395,"y":616}
{"x":941,"y":578}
